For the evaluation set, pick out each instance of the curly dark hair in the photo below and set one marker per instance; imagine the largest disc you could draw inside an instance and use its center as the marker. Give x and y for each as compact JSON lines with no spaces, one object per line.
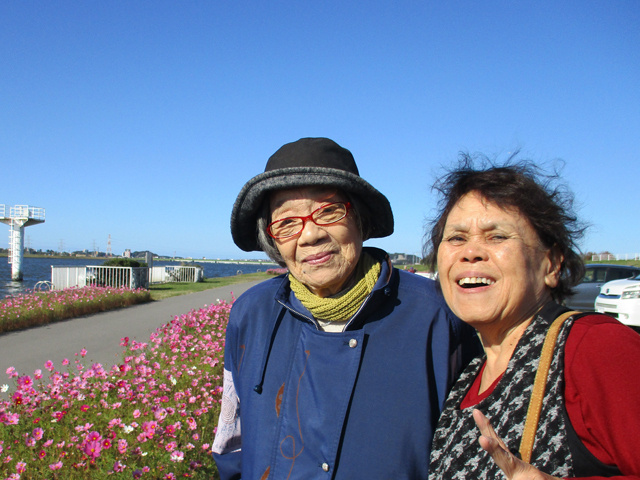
{"x":519,"y":184}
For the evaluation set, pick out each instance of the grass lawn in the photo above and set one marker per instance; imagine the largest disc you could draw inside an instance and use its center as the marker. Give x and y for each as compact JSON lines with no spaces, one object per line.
{"x":165,"y":290}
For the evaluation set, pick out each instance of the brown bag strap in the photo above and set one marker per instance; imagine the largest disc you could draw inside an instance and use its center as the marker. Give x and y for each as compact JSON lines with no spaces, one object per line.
{"x":539,"y":385}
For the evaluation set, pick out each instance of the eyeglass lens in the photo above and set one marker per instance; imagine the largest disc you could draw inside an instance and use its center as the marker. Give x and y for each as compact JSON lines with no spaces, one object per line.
{"x":325,"y":215}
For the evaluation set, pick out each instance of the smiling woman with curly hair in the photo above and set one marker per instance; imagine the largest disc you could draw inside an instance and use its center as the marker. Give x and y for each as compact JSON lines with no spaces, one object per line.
{"x":559,"y":389}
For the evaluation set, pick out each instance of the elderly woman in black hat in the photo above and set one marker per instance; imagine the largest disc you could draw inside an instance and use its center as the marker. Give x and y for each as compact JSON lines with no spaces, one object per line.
{"x":338,"y":369}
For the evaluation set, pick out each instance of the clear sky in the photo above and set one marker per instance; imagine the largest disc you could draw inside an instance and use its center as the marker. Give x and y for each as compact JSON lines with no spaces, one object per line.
{"x":143,"y":119}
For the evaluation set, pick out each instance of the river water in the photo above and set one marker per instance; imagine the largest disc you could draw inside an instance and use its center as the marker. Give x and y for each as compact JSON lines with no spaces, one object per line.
{"x":37,"y":269}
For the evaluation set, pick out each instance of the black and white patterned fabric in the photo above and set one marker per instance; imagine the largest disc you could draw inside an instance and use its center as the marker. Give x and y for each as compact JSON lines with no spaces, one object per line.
{"x":456,"y":453}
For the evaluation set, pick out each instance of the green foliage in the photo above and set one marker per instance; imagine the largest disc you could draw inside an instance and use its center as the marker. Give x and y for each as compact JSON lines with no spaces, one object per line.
{"x":123,"y":262}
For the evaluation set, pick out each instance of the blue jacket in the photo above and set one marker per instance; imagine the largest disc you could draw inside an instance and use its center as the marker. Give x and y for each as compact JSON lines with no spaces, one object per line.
{"x":301,"y":403}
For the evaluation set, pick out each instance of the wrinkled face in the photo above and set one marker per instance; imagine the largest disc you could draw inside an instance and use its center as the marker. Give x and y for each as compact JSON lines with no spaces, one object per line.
{"x":321,"y":257}
{"x":494,"y":271}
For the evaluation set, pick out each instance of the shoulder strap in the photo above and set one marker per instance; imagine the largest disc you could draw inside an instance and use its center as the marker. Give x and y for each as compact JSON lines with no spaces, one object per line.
{"x":539,"y":385}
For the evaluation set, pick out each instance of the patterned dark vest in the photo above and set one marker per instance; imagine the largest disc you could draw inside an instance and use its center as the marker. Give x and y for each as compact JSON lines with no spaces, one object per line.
{"x":456,"y":453}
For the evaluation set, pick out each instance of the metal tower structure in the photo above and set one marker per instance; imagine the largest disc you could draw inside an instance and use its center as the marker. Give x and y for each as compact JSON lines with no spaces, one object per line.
{"x":19,"y":217}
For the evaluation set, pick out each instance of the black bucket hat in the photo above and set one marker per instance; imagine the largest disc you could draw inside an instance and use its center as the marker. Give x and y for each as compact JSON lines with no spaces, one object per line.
{"x":309,"y":162}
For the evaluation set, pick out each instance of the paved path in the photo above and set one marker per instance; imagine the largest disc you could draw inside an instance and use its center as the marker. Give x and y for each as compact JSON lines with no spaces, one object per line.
{"x":99,"y":334}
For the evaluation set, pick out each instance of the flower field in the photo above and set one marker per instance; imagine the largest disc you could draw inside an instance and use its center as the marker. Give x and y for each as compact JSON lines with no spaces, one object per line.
{"x":153,"y":416}
{"x":41,"y":308}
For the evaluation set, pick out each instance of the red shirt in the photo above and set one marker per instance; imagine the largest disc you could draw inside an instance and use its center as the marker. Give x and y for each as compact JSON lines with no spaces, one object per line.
{"x":602,"y":391}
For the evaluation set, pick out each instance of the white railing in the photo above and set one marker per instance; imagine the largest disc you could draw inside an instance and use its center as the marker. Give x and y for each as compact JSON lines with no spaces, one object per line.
{"x":22,"y":211}
{"x":130,"y":277}
{"x":610,"y":256}
{"x":67,"y":277}
{"x":25,"y":211}
{"x":179,"y":273}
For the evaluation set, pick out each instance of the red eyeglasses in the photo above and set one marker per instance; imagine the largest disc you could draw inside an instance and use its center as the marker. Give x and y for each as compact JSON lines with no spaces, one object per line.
{"x":325,"y":215}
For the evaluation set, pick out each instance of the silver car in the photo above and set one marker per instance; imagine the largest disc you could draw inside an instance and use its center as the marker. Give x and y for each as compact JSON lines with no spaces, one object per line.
{"x":596,"y":275}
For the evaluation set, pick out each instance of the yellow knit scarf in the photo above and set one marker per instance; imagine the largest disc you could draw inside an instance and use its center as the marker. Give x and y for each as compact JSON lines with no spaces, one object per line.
{"x":340,"y":308}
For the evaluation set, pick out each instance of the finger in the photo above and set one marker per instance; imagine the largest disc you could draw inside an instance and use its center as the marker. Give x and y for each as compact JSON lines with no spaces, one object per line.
{"x":486,"y":429}
{"x":494,"y":446}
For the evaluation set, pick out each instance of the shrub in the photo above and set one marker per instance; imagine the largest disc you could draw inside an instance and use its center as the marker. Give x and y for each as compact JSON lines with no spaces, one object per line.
{"x":123,"y":262}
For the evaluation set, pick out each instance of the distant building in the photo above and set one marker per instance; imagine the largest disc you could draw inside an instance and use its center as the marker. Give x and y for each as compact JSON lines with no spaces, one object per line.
{"x":127,"y":253}
{"x":404,"y":259}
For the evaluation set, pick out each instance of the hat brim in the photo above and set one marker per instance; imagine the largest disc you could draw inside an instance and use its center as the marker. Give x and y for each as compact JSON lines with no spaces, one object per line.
{"x":374,"y":208}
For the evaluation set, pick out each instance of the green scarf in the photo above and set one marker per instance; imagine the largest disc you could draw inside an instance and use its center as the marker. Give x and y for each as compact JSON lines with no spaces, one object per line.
{"x":343,"y":307}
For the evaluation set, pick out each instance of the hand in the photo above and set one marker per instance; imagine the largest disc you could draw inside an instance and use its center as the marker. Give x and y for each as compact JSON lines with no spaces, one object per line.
{"x":512,"y":466}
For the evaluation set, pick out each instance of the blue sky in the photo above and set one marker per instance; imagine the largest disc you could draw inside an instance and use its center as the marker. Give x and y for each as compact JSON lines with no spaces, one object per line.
{"x":142,"y":120}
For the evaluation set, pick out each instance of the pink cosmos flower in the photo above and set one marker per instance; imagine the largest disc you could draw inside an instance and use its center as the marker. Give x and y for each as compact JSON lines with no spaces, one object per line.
{"x":122,"y":446}
{"x":92,"y":449}
{"x":171,"y":446}
{"x":37,"y":433}
{"x":25,"y":381}
{"x":48,"y":365}
{"x":192,"y":423}
{"x":56,"y":466}
{"x":21,"y":467}
{"x":149,"y":428}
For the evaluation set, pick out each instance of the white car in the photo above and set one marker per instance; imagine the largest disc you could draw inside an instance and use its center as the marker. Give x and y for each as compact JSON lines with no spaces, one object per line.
{"x":621,"y":299}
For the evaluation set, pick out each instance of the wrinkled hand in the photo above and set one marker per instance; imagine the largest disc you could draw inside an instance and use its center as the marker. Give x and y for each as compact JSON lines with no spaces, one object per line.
{"x":512,"y":466}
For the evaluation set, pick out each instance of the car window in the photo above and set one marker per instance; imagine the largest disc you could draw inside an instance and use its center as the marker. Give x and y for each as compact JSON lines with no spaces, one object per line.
{"x":589,"y":276}
{"x":619,"y":273}
{"x":600,"y":275}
